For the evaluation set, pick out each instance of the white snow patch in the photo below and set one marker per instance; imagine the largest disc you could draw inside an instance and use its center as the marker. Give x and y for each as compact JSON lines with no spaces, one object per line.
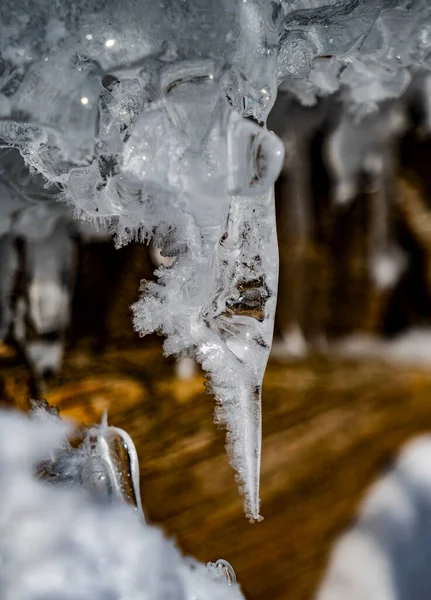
{"x":386,"y":554}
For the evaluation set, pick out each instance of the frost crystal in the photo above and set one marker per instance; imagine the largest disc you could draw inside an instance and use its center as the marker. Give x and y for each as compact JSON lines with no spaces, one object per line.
{"x":151,"y":116}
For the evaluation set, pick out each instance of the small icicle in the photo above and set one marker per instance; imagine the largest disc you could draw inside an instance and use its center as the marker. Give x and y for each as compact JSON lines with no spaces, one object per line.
{"x":241,"y":319}
{"x":104,"y":421}
{"x":8,"y":270}
{"x":222,"y":569}
{"x":115,"y":449}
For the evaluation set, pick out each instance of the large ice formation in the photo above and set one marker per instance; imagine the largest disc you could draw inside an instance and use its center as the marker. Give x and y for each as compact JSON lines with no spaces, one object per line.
{"x":151,"y":115}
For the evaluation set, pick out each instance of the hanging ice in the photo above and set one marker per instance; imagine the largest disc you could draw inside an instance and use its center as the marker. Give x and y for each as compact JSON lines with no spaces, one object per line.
{"x":220,"y":293}
{"x":149,"y":116}
{"x":105,"y":462}
{"x":365,"y":149}
{"x":38,"y":247}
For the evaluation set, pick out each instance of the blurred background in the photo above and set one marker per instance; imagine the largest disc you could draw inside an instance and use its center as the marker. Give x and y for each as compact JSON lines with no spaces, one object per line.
{"x":349,"y":380}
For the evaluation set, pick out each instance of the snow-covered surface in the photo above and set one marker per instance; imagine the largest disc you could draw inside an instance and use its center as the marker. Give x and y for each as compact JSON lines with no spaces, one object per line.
{"x":63,"y":543}
{"x":413,"y":346}
{"x":387,"y":553}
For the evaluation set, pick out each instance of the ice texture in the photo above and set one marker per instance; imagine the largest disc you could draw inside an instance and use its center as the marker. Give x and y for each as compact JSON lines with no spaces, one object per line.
{"x":150,"y":117}
{"x":59,"y":542}
{"x":222,"y":569}
{"x":366,"y":49}
{"x":105,"y":462}
{"x":38,"y":247}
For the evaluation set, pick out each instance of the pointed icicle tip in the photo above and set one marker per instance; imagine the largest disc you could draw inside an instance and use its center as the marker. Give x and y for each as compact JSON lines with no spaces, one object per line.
{"x":104,"y":420}
{"x":244,"y":448}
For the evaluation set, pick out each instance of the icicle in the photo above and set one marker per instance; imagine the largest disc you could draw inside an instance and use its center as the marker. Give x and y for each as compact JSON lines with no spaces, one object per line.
{"x":112,"y":461}
{"x":387,"y":261}
{"x":105,"y":463}
{"x":222,"y":569}
{"x":50,"y":266}
{"x":49,"y":263}
{"x":8,"y":271}
{"x":357,"y":147}
{"x":367,"y":148}
{"x":241,"y":317}
{"x":217,"y":300}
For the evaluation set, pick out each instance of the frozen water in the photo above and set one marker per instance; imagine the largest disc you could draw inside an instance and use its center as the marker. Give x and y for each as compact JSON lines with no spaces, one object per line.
{"x":231,"y":324}
{"x":222,"y":569}
{"x":59,"y":542}
{"x":150,"y":118}
{"x":38,"y":243}
{"x":364,"y":148}
{"x":105,"y":463}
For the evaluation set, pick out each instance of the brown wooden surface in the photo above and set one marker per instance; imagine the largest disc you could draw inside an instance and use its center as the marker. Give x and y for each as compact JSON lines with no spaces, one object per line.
{"x":329,"y":429}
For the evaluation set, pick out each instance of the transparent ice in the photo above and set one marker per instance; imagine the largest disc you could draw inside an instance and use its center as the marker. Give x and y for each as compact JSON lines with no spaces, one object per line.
{"x":150,"y":116}
{"x":105,"y":462}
